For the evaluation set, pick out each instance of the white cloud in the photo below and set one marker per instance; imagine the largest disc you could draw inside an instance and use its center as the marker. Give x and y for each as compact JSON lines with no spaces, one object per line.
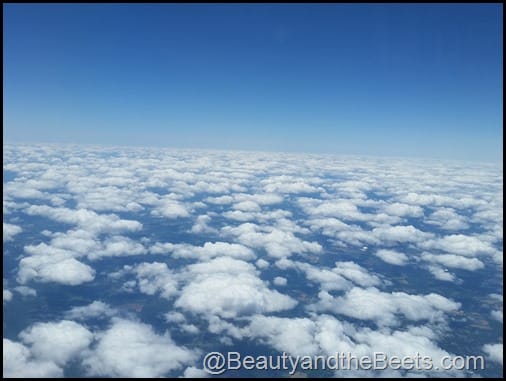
{"x":455,"y":261}
{"x":277,"y":243}
{"x":7,"y":295}
{"x":441,"y":274}
{"x":382,"y":307}
{"x":132,"y":349}
{"x":193,"y":372}
{"x":155,"y":278}
{"x":56,"y":342}
{"x":280,"y":281}
{"x":228,"y":287}
{"x":391,"y":256}
{"x":86,"y":219}
{"x":10,"y":231}
{"x":18,"y":362}
{"x":447,"y":219}
{"x":460,"y":244}
{"x":494,"y":352}
{"x":54,"y":265}
{"x":96,"y":309}
{"x":25,"y":291}
{"x":403,"y":210}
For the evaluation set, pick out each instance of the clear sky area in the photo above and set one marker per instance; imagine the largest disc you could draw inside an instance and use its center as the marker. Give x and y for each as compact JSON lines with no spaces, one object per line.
{"x":395,"y":79}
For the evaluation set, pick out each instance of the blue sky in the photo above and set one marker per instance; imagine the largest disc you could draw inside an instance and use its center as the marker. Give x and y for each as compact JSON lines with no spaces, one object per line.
{"x":417,"y":80}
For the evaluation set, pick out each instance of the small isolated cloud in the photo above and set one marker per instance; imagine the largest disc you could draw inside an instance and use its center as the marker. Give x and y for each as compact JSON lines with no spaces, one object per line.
{"x":56,"y":342}
{"x":391,"y":256}
{"x":133,"y":349}
{"x":7,"y":295}
{"x":10,"y":231}
{"x":96,"y":309}
{"x":280,"y":281}
{"x":494,"y":352}
{"x":454,"y":261}
{"x":441,"y":274}
{"x":54,"y":265}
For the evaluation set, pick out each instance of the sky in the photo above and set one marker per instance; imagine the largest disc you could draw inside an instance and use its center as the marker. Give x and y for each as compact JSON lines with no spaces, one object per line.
{"x":393,"y":80}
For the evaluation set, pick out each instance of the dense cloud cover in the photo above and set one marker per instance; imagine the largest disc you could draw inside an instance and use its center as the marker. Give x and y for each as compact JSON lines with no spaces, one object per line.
{"x":136,"y":262}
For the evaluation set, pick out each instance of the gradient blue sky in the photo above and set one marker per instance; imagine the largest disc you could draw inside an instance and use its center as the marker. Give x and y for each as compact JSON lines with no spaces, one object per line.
{"x":418,"y":80}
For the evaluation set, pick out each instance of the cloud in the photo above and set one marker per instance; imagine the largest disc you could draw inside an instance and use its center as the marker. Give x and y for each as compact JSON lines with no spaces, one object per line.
{"x":392,"y":257}
{"x":394,"y":234}
{"x":18,"y":362}
{"x":10,"y":231}
{"x":87,"y":220}
{"x":292,"y":335}
{"x":441,"y":274}
{"x":494,"y":352}
{"x":447,"y":219}
{"x":276,"y":242}
{"x":7,"y":295}
{"x":156,"y":277}
{"x":459,"y":244}
{"x":454,"y":261}
{"x":207,"y":251}
{"x":96,"y":309}
{"x":56,"y":342}
{"x":383,"y":307}
{"x":229,"y":288}
{"x":403,"y":210}
{"x":53,"y":265}
{"x":133,"y":349}
{"x":280,"y":281}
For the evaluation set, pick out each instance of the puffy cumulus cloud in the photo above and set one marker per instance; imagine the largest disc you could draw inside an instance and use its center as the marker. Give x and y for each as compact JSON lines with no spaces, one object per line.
{"x":357,"y":274}
{"x":54,"y":265}
{"x":391,"y":256}
{"x":229,"y":288}
{"x":7,"y":295}
{"x":454,"y":261}
{"x":247,"y":206}
{"x":293,"y":335}
{"x":497,"y":315}
{"x":153,"y":278}
{"x":324,"y":334}
{"x":494,"y":352}
{"x":340,"y":277}
{"x":19,"y":362}
{"x":460,"y":244}
{"x":383,"y":307}
{"x":288,"y":184}
{"x":447,"y":219}
{"x":276,"y":242}
{"x":202,"y":225}
{"x":170,"y":208}
{"x":10,"y":231}
{"x":441,"y":274}
{"x":85,"y":219}
{"x":280,"y":281}
{"x":403,"y":210}
{"x":56,"y":342}
{"x":96,"y":309}
{"x":25,"y":291}
{"x":208,"y":251}
{"x":399,"y":234}
{"x":133,"y":349}
{"x":117,"y":246}
{"x":193,"y":372}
